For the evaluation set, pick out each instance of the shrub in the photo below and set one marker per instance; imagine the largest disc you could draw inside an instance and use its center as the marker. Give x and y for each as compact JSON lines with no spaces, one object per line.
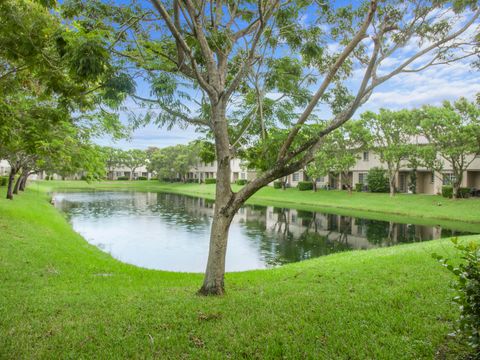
{"x":305,"y":185}
{"x":83,"y":177}
{"x":210,"y":181}
{"x":142,"y":178}
{"x":123,"y":178}
{"x":467,"y":287}
{"x":358,"y":187}
{"x":241,"y":182}
{"x":447,"y":192}
{"x":3,"y":180}
{"x":377,"y":180}
{"x":463,"y":192}
{"x":277,"y":184}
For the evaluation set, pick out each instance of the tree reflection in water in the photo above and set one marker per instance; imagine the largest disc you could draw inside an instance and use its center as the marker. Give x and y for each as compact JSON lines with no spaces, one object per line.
{"x":276,"y":235}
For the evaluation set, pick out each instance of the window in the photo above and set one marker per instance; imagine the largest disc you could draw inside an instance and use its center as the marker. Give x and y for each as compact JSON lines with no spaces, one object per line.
{"x":119,"y":173}
{"x":295,"y":176}
{"x":321,"y":179}
{"x":448,"y":178}
{"x":362,"y":178}
{"x":432,"y":177}
{"x":365,"y":156}
{"x":243,"y":176}
{"x":144,"y":174}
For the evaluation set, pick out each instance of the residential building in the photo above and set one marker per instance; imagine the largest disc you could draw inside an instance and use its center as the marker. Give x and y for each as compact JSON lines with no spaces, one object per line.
{"x":4,"y":168}
{"x":120,"y":171}
{"x":123,"y":171}
{"x":427,"y":182}
{"x":202,"y":171}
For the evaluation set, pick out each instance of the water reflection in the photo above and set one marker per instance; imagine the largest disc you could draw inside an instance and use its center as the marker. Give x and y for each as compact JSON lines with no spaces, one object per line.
{"x":171,"y":232}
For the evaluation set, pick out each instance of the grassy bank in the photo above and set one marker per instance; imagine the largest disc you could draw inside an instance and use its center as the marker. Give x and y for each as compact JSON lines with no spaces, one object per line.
{"x":62,"y":298}
{"x":416,"y":207}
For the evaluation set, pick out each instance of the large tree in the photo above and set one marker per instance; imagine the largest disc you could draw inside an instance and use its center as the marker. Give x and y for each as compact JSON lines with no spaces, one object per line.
{"x":393,"y":139}
{"x":254,"y":74}
{"x":52,"y":74}
{"x":453,"y":133}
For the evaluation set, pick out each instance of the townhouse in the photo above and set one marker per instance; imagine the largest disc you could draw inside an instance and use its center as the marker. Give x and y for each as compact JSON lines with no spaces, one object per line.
{"x":424,"y":180}
{"x":125,"y":172}
{"x":202,"y":171}
{"x":113,"y":174}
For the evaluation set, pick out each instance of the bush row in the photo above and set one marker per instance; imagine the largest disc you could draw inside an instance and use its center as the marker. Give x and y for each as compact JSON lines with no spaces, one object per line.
{"x":463,"y":192}
{"x":210,"y":181}
{"x":3,"y":180}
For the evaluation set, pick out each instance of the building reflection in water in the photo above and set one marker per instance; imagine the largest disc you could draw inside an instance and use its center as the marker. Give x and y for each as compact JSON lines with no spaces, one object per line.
{"x":271,"y":235}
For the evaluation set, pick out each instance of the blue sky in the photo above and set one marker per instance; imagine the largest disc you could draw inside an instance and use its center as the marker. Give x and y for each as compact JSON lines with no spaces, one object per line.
{"x":409,"y":90}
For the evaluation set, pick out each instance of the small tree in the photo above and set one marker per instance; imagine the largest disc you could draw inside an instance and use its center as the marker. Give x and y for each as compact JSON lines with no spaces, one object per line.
{"x":453,"y":131}
{"x":340,"y":153}
{"x":174,"y":162}
{"x":392,"y":139}
{"x":133,"y":159}
{"x":112,"y":158}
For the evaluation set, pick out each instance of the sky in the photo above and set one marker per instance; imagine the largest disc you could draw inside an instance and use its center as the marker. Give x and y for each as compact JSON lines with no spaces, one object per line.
{"x":405,"y":91}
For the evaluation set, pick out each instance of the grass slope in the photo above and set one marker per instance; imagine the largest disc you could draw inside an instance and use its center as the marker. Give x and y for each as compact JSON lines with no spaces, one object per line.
{"x":62,"y":298}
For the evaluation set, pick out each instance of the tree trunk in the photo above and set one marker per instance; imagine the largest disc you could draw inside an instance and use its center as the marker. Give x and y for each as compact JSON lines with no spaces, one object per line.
{"x":458,"y":174}
{"x":213,"y":283}
{"x":11,"y":179}
{"x":455,"y":190}
{"x":17,"y":184}
{"x":23,"y":183}
{"x":392,"y":186}
{"x":314,"y":184}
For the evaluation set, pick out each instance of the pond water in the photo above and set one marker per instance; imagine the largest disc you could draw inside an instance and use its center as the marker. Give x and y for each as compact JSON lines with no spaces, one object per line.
{"x":171,"y":232}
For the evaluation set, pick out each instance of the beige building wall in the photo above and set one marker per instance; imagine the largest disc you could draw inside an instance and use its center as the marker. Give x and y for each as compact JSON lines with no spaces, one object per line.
{"x":202,"y":171}
{"x":4,"y":167}
{"x":426,"y":183}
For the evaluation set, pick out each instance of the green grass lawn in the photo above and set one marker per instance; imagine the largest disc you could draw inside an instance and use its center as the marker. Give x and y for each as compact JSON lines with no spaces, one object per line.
{"x":63,"y":298}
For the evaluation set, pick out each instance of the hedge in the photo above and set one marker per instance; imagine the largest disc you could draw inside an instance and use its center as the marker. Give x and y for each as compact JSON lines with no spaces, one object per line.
{"x":123,"y":178}
{"x":3,"y":180}
{"x":277,"y":184}
{"x":358,"y":187}
{"x":210,"y":181}
{"x":142,"y":178}
{"x":305,"y":185}
{"x":447,"y":192}
{"x":241,"y":182}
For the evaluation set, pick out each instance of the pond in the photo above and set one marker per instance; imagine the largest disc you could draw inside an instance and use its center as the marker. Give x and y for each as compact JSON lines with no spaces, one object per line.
{"x":171,"y":232}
